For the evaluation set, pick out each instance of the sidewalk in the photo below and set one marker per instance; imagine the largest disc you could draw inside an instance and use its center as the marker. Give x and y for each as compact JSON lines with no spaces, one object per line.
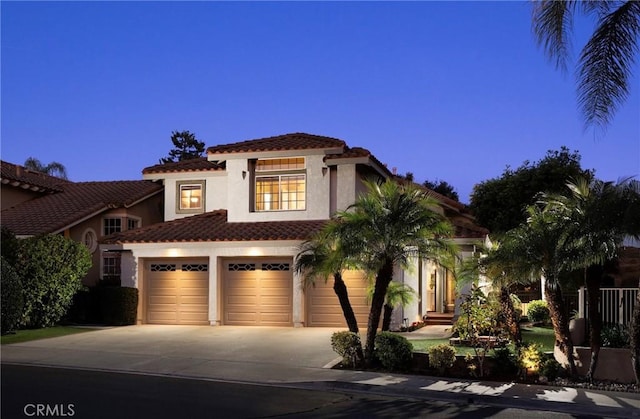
{"x":248,"y":356}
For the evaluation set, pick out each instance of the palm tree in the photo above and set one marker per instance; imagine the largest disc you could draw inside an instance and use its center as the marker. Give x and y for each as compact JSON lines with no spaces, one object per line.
{"x":495,"y":263}
{"x":388,"y":227}
{"x":397,"y":295}
{"x":607,"y":59}
{"x":542,"y":244}
{"x":322,"y":257}
{"x":603,"y":213}
{"x":52,"y":169}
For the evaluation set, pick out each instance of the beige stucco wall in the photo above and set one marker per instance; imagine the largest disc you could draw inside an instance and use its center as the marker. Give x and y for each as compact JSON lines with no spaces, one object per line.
{"x":215,"y":190}
{"x":318,"y":200}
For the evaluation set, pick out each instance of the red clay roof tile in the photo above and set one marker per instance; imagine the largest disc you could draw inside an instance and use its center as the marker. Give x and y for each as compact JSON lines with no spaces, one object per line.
{"x":17,"y":175}
{"x":191,"y":165}
{"x":55,"y":212}
{"x":213,"y":227}
{"x":295,"y":141}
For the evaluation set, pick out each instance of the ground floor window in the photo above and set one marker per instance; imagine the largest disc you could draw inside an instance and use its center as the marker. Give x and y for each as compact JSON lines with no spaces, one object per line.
{"x":111,"y":268}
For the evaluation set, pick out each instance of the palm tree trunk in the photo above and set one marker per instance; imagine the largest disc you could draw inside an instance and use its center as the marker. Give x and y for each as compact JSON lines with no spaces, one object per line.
{"x":510,"y":316}
{"x":593,"y":277}
{"x":635,"y":338}
{"x":560,"y":322}
{"x":386,"y":318}
{"x":383,"y":278}
{"x":340,"y":288}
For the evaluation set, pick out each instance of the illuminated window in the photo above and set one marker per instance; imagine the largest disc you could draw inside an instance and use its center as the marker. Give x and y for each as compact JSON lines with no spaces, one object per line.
{"x":190,"y":197}
{"x":280,"y":184}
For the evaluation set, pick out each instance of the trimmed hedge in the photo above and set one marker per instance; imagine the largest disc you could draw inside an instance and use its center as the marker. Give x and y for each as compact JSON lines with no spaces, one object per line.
{"x":12,"y":297}
{"x":119,"y":305}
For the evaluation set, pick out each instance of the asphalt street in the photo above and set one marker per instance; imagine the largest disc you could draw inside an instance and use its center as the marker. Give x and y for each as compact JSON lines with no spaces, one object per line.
{"x":29,"y":391}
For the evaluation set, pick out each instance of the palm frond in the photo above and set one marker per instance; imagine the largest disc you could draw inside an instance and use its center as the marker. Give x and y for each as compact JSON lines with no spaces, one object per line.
{"x":552,"y":21}
{"x":606,"y":62}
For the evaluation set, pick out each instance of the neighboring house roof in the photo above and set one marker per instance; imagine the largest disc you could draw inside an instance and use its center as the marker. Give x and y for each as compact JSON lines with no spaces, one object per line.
{"x":191,"y":165}
{"x":213,"y":227}
{"x":75,"y":202}
{"x":20,"y":177}
{"x":294,"y":141}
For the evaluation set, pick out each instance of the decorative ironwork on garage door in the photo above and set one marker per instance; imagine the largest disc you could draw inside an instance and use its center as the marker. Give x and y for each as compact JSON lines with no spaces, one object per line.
{"x":275,"y":266}
{"x":195,"y":267}
{"x":163,"y":267}
{"x":238,"y":267}
{"x":185,"y":267}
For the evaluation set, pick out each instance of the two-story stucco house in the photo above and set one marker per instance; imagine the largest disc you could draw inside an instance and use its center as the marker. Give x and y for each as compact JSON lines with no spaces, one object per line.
{"x":34,"y":203}
{"x":233,"y":224}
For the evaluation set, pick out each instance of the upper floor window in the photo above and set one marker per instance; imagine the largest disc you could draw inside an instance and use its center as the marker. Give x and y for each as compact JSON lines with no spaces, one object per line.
{"x":115,"y":224}
{"x":280,"y":184}
{"x":111,"y":225}
{"x":132,"y":223}
{"x":190,"y":197}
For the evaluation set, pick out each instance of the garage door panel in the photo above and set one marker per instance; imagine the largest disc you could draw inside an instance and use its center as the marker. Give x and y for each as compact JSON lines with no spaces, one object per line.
{"x":176,"y":296}
{"x":257,"y":297}
{"x":324,"y":309}
{"x":163,"y":300}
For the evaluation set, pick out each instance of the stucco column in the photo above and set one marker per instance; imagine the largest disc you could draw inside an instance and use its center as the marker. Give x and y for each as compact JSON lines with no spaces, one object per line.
{"x":298,"y":301}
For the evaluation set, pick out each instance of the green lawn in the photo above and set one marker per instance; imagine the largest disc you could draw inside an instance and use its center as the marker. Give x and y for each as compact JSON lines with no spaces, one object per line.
{"x":541,"y":335}
{"x":35,"y":334}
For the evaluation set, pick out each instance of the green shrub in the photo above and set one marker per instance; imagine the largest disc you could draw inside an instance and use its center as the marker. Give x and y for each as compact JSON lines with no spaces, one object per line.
{"x":393,"y":351}
{"x":551,"y":369}
{"x":85,"y":308}
{"x":442,"y":356}
{"x":348,"y":346}
{"x":505,"y":361}
{"x":51,"y":268}
{"x":531,"y":357}
{"x":12,"y":302}
{"x":538,"y":311}
{"x":119,"y":305}
{"x":615,"y":336}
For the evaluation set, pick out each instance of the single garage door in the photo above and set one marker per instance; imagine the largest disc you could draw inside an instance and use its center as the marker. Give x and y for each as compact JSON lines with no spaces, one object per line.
{"x":323,"y":307}
{"x":177,"y":291}
{"x":258,"y":292}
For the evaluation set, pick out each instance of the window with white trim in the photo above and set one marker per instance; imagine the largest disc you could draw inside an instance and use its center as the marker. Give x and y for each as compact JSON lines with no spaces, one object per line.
{"x":132,"y":223}
{"x":280,"y":184}
{"x":190,"y":196}
{"x":111,"y":225}
{"x":111,"y":267}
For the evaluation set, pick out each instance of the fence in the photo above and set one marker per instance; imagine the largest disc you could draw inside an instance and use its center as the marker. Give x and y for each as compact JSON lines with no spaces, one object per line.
{"x":616,"y":304}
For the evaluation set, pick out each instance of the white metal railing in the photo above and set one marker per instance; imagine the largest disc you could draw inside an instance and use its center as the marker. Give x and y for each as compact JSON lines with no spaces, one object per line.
{"x":616,"y":304}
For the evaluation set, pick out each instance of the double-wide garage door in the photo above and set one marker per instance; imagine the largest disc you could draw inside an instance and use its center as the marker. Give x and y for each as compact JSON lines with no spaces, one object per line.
{"x":177,"y":291}
{"x":258,"y":292}
{"x":323,"y":307}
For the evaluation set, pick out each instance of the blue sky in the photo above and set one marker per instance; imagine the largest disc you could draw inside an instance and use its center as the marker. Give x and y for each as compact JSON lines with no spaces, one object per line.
{"x":448,"y":90}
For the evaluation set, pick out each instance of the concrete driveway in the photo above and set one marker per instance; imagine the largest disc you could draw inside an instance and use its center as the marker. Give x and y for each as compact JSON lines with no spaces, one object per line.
{"x":260,"y":354}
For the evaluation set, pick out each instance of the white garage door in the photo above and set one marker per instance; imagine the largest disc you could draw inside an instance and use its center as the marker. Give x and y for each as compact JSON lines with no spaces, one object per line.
{"x":258,"y":292}
{"x":323,"y":307}
{"x":177,"y":291}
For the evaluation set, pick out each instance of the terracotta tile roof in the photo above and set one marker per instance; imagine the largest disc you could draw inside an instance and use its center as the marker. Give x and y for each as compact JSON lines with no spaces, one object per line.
{"x":358,"y":152}
{"x":213,"y":227}
{"x":77,"y":201}
{"x":191,"y":165}
{"x":18,"y":176}
{"x":295,"y":141}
